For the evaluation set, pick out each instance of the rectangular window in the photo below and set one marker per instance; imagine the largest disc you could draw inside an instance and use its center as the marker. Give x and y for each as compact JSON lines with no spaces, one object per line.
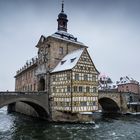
{"x":28,"y":88}
{"x":61,"y":50}
{"x":68,"y":89}
{"x":77,"y":77}
{"x":56,"y":104}
{"x":54,"y":89}
{"x":61,"y":103}
{"x":34,"y":87}
{"x":80,"y":89}
{"x":94,"y":78}
{"x":87,"y":89}
{"x":26,"y":76}
{"x":53,"y":78}
{"x":81,"y":67}
{"x":68,"y":76}
{"x":75,"y":89}
{"x":94,"y":90}
{"x":67,"y":104}
{"x":92,"y":103}
{"x":58,"y":79}
{"x":25,"y":88}
{"x":31,"y":88}
{"x":75,"y":103}
{"x":59,"y":90}
{"x":85,"y":77}
{"x":83,"y":103}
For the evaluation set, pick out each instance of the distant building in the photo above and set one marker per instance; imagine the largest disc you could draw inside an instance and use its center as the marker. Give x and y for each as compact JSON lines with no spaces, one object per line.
{"x":127,"y":84}
{"x":64,"y":69}
{"x":106,"y":84}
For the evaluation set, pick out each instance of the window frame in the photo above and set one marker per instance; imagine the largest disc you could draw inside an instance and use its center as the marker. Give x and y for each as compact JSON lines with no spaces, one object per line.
{"x":61,"y":50}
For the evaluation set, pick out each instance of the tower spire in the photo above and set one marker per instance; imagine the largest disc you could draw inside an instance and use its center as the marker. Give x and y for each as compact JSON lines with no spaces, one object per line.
{"x":62,"y":19}
{"x":62,"y":6}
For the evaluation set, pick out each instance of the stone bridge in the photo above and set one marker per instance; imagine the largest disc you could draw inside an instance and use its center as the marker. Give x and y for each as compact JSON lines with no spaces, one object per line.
{"x":114,"y":101}
{"x":37,"y":100}
{"x":109,"y":101}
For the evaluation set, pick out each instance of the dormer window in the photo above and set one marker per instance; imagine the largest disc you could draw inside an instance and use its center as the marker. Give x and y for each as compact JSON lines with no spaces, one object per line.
{"x":72,"y":60}
{"x":62,"y":62}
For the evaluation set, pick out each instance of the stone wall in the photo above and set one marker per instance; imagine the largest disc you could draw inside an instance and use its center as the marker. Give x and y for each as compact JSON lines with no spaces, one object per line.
{"x":26,"y":80}
{"x":55,"y":52}
{"x":129,"y":87}
{"x":59,"y":116}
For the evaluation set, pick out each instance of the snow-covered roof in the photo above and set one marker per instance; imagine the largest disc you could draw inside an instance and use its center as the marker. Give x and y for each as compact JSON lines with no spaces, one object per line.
{"x":69,"y":61}
{"x":66,"y":36}
{"x":126,"y":80}
{"x":106,"y":83}
{"x":107,"y":86}
{"x":112,"y":86}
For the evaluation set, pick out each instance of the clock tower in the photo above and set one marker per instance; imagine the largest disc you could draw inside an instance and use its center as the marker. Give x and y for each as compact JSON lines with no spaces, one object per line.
{"x":52,"y":49}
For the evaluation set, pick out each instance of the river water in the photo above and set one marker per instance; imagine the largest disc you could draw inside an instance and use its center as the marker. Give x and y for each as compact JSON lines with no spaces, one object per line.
{"x":19,"y":127}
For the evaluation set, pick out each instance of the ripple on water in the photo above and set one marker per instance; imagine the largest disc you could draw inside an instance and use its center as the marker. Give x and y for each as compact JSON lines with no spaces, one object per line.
{"x":96,"y":126}
{"x":18,"y":127}
{"x":6,"y":123}
{"x":3,"y":110}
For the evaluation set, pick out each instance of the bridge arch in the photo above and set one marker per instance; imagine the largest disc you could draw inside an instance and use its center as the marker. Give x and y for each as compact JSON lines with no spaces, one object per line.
{"x":36,"y":105}
{"x":109,"y":105}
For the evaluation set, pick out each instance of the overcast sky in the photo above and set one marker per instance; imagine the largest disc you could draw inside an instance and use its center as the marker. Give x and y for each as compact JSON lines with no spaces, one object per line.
{"x":111,"y":29}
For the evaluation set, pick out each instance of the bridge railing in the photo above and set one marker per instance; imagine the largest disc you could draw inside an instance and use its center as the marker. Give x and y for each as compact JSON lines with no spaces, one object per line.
{"x":21,"y":93}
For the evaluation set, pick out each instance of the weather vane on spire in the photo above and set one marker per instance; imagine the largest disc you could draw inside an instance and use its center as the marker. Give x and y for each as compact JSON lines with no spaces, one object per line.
{"x":62,"y":6}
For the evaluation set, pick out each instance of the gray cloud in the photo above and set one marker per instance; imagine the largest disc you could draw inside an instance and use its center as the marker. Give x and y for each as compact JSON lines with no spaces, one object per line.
{"x":109,"y":27}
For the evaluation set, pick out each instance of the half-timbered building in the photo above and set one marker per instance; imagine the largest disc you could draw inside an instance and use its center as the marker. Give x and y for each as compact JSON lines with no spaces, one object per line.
{"x":65,"y":71}
{"x":74,"y":83}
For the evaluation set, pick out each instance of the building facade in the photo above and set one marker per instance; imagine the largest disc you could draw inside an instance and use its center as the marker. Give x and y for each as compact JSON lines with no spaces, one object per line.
{"x":65,"y":71}
{"x":25,"y":77}
{"x":127,"y":84}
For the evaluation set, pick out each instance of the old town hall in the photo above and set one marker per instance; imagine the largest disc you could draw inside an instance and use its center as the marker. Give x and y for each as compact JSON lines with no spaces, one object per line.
{"x":64,"y":70}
